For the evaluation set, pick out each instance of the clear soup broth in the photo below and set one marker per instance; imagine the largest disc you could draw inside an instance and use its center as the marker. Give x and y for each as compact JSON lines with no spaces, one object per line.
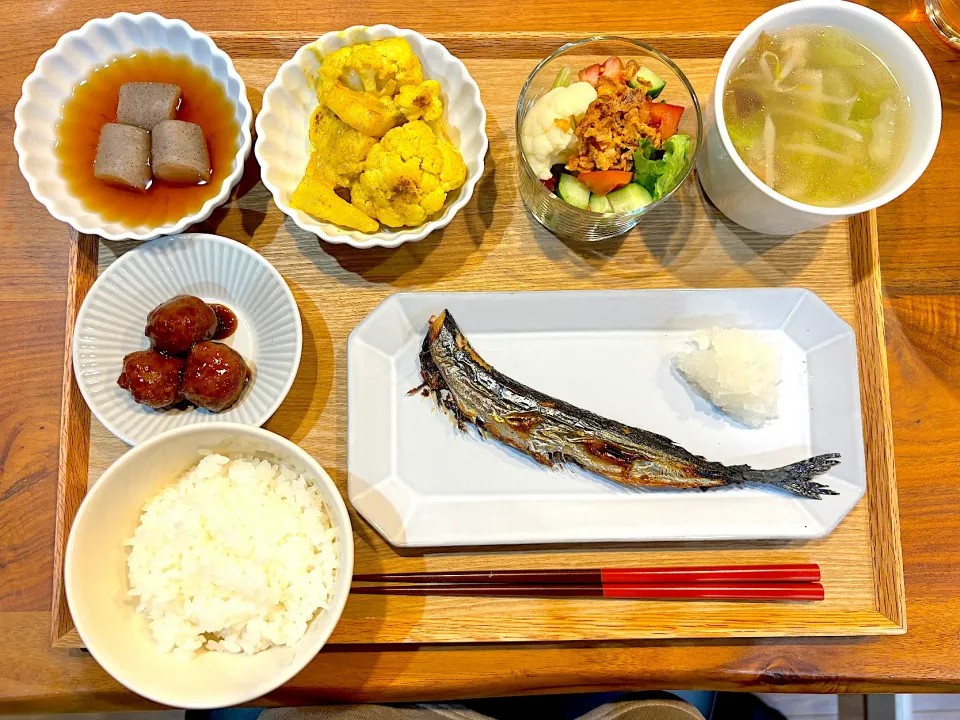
{"x":817,"y":116}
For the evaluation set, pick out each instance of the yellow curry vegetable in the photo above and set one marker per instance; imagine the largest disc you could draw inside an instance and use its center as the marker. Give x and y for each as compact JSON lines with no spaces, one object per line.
{"x":384,"y":66}
{"x":407,"y":176}
{"x":315,"y":197}
{"x":420,"y":102}
{"x":367,"y":92}
{"x":360,"y":111}
{"x":379,"y":68}
{"x":339,"y":151}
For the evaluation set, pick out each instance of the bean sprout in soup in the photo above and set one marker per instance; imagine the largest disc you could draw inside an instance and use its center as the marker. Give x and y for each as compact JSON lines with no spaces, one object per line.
{"x":817,"y":116}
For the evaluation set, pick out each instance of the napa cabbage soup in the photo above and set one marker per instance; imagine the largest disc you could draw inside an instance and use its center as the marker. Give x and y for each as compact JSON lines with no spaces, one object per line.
{"x":817,"y":116}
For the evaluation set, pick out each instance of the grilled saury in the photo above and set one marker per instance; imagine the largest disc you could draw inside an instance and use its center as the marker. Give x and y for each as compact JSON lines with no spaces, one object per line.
{"x":554,"y":432}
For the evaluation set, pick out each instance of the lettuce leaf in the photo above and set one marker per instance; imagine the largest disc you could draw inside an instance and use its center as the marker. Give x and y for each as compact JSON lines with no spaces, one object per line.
{"x":647,"y":165}
{"x":675,"y":152}
{"x":659,"y":170}
{"x":646,"y":150}
{"x":647,"y":172}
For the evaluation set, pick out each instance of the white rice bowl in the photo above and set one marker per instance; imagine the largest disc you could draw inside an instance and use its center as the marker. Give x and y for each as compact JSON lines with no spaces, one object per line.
{"x":237,"y":555}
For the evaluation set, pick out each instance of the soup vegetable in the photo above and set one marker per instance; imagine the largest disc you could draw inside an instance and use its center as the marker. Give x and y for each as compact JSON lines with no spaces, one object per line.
{"x":817,"y":116}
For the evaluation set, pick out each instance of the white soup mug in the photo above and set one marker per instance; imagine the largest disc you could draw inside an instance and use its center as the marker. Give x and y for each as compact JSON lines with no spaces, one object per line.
{"x":742,"y":196}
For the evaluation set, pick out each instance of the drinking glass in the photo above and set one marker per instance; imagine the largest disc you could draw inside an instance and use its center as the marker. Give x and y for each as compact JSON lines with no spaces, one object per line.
{"x":944,"y":15}
{"x":554,"y":214}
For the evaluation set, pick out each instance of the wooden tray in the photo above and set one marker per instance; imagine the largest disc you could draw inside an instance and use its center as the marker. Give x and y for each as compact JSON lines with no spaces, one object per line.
{"x":494,"y":245}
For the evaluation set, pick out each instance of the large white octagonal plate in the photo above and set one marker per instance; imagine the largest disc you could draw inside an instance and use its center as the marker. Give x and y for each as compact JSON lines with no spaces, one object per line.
{"x":421,"y":482}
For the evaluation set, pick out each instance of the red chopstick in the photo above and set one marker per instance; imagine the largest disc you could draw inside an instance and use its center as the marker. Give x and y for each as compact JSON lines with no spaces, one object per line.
{"x":727,"y":574}
{"x":808,"y":592}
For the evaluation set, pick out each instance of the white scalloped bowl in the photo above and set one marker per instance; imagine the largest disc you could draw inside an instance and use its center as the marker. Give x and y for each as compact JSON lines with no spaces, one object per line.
{"x":111,"y":322}
{"x":75,"y":56}
{"x":283,"y":145}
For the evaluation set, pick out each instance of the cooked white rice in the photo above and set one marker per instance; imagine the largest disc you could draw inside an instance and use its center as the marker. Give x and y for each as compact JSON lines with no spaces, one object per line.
{"x":737,"y":370}
{"x":236,"y":556}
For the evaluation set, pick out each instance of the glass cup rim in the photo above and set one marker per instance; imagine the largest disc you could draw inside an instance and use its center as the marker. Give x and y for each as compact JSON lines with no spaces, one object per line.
{"x":736,"y":51}
{"x":651,"y":51}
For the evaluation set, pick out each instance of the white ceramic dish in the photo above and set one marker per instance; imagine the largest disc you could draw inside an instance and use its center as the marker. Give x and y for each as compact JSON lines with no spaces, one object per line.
{"x":741,"y":195}
{"x":96,"y":577}
{"x":283,"y":147}
{"x":112,"y":318}
{"x":421,"y":482}
{"x":70,"y":61}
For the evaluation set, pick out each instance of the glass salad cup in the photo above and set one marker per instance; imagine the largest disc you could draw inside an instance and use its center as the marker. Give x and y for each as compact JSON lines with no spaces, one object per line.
{"x":560,"y":218}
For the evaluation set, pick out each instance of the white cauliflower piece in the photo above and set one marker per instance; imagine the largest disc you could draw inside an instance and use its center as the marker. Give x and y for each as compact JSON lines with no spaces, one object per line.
{"x":548,"y":129}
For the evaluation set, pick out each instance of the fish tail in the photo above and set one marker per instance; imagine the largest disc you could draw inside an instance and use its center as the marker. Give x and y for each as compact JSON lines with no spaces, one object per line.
{"x":797,"y":478}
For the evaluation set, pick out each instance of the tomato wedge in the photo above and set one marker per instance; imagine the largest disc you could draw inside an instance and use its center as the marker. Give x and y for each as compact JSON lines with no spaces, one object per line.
{"x":550,"y":184}
{"x":667,"y":118}
{"x":590,"y":74}
{"x":612,"y":68}
{"x":601,"y":182}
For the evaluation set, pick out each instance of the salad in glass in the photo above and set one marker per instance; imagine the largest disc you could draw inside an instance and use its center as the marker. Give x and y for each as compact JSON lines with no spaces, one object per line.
{"x":604,"y":141}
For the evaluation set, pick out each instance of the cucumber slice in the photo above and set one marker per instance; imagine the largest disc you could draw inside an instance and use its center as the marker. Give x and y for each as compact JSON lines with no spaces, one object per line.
{"x":600,"y":204}
{"x":570,"y":189}
{"x":631,"y":197}
{"x":647,"y":75}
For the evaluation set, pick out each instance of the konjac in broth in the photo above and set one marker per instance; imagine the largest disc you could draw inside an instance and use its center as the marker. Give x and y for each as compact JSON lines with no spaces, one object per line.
{"x":817,"y":116}
{"x":93,"y":103}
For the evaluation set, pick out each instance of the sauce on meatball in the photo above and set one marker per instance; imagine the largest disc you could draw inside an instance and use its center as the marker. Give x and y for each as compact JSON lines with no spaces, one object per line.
{"x":152,"y":378}
{"x":214,"y":376}
{"x":178,"y":324}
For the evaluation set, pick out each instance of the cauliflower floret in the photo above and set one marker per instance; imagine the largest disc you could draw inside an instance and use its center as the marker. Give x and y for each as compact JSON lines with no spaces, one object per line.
{"x":407,"y":176}
{"x":420,"y":102}
{"x":454,"y":172}
{"x":380,"y":68}
{"x":333,"y":67}
{"x":339,"y":151}
{"x":386,"y":65}
{"x":548,"y":129}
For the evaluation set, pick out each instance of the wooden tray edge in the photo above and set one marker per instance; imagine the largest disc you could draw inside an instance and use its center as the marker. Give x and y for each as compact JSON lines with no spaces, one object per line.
{"x":875,"y":397}
{"x":858,"y":624}
{"x":877,"y":436}
{"x":535,"y":44}
{"x":69,"y":640}
{"x":74,"y":452}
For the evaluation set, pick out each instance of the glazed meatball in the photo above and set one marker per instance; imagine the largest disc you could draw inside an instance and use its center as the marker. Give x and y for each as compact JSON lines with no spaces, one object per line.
{"x":178,"y":324}
{"x":152,"y":378}
{"x":214,"y":376}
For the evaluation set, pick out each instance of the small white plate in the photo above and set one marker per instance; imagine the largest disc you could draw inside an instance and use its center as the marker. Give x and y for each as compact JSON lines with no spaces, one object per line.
{"x":421,"y":482}
{"x":283,"y":145}
{"x":111,"y":322}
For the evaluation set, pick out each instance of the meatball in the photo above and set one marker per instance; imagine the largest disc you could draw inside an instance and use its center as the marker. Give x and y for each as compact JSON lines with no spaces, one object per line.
{"x":214,"y":376}
{"x":152,"y":378}
{"x":178,"y":324}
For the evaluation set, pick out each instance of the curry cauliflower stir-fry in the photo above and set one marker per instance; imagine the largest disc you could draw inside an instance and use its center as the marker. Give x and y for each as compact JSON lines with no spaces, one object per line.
{"x":379,"y":153}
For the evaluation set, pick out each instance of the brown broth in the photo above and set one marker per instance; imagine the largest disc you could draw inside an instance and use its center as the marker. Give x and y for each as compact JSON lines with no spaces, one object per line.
{"x":93,"y":103}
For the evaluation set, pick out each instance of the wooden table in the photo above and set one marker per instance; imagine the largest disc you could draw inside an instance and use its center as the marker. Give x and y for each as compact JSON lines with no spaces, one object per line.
{"x":920,"y":235}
